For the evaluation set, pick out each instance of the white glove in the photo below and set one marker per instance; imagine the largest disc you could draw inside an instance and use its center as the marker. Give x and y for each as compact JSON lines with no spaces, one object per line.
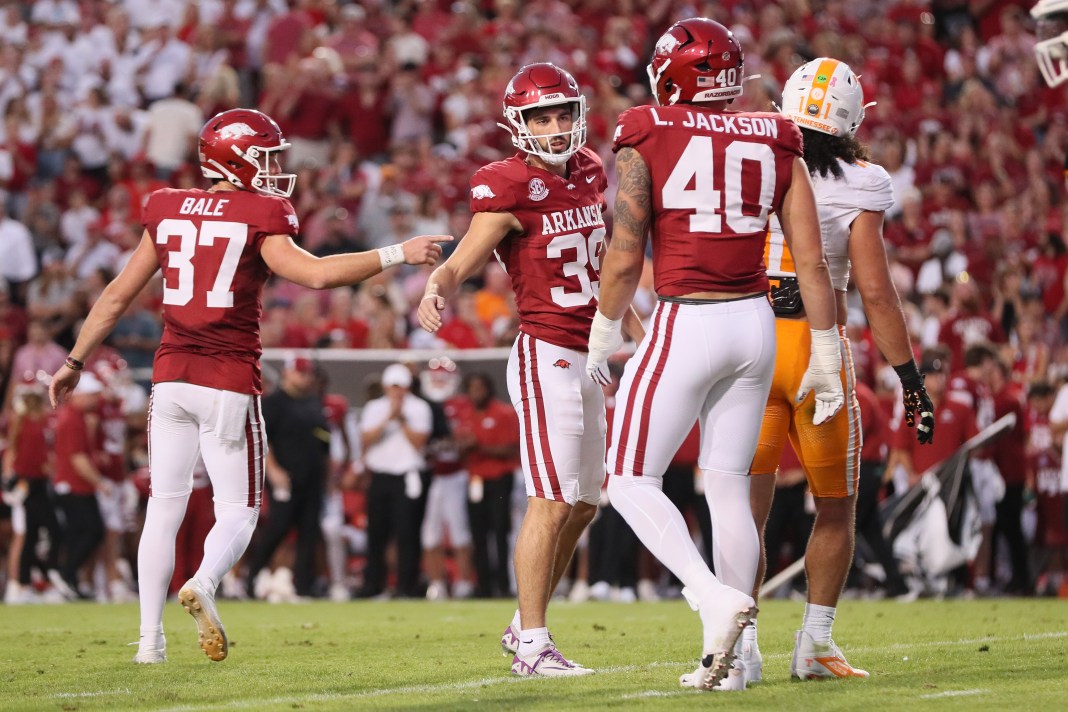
{"x":606,"y":338}
{"x":824,"y":375}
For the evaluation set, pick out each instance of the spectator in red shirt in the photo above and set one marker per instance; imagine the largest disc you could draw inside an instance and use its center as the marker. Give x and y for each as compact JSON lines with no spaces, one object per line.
{"x":1044,"y":463}
{"x":25,"y":469}
{"x":488,"y":434}
{"x":77,"y":481}
{"x":969,"y":323}
{"x":464,"y":330}
{"x":954,"y":423}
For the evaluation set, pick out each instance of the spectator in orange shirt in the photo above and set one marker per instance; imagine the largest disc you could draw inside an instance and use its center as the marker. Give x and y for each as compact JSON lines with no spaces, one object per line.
{"x":495,"y":300}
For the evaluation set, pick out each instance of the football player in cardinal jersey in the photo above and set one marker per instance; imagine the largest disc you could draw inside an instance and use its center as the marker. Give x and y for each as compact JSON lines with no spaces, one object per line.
{"x":825,"y":99}
{"x":1051,"y":50}
{"x":704,"y":180}
{"x":216,"y":248}
{"x":540,"y":211}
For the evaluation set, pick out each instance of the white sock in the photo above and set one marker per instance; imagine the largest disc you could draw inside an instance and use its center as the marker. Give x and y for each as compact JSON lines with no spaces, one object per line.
{"x":660,"y":526}
{"x":515,"y":621}
{"x":533,"y":640}
{"x":749,"y":633}
{"x":735,"y":542}
{"x":155,"y":559}
{"x":226,"y":542}
{"x":818,"y":621}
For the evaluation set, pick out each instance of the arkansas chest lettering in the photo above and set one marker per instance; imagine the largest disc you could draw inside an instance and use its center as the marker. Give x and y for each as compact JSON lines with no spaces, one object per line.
{"x":572,"y":219}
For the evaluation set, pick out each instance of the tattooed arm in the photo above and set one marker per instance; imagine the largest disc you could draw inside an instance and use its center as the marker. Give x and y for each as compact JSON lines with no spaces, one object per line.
{"x":622,"y":265}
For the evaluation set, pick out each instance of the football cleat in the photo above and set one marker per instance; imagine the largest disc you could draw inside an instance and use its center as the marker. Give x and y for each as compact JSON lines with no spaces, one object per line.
{"x":548,"y":662}
{"x":735,"y":680}
{"x":725,"y":613}
{"x":151,"y":652}
{"x":201,"y":605}
{"x":510,"y":641}
{"x":815,"y":661}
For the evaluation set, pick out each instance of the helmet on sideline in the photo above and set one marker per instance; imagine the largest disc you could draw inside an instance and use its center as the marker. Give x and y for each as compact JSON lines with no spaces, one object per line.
{"x":440,"y":380}
{"x":239,"y":146}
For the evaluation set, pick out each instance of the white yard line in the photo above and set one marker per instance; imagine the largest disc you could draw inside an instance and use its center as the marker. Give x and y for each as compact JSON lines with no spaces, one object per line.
{"x":97,"y":693}
{"x":453,"y":687}
{"x":953,"y":693}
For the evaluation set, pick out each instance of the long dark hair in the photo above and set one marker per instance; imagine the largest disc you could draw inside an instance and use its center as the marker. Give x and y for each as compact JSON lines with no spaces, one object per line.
{"x":822,"y":152}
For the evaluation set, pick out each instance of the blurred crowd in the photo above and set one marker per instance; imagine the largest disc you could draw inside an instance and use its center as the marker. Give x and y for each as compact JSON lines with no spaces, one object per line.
{"x":390,"y":106}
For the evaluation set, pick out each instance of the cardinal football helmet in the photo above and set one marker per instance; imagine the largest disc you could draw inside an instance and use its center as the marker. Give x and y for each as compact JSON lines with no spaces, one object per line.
{"x":824,"y":95}
{"x":1051,"y":50}
{"x":696,"y":60}
{"x":240,"y":146}
{"x":539,"y":85}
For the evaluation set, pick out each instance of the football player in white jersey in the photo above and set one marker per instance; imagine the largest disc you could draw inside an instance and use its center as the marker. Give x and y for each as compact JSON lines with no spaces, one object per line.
{"x":825,"y":99}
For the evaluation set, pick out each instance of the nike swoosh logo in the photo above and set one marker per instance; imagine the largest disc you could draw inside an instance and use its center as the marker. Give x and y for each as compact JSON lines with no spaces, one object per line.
{"x":528,"y":642}
{"x":590,"y":179}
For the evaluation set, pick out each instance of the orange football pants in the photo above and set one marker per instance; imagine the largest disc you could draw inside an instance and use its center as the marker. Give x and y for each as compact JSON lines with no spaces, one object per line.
{"x":829,"y":452}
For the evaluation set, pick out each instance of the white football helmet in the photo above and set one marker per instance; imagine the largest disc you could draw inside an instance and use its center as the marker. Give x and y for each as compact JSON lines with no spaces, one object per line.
{"x":824,"y":95}
{"x":1051,"y":50}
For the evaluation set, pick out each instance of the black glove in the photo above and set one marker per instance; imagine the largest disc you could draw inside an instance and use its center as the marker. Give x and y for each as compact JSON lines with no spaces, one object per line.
{"x":918,"y":405}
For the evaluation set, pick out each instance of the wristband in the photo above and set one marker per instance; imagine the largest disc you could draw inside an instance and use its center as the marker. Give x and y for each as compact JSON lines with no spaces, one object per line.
{"x":390,"y":256}
{"x":909,"y":374}
{"x":826,"y":351}
{"x":605,"y":333}
{"x":73,"y":364}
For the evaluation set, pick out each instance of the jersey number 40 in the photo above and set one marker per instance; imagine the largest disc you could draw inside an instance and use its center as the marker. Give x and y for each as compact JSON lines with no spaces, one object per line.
{"x":711,"y":202}
{"x":189,"y":237}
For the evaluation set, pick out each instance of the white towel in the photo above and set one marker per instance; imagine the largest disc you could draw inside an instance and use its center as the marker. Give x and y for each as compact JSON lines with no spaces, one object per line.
{"x":231,"y":413}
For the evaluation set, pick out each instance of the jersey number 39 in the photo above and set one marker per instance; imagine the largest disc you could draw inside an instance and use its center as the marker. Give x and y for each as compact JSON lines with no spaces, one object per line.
{"x":189,"y":238}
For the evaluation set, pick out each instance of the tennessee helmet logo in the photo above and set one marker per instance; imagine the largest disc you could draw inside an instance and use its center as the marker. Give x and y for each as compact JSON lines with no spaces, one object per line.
{"x":561,"y":363}
{"x":232,"y":131}
{"x":538,"y":191}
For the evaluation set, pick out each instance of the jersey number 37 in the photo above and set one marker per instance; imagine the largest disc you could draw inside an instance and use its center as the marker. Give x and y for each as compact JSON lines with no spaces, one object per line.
{"x":188,"y":238}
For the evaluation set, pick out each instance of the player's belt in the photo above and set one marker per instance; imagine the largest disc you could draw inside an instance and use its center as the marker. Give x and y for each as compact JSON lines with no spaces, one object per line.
{"x":684,"y":300}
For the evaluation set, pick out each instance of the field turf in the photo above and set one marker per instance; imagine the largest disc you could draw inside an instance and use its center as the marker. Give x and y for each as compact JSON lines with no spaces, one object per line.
{"x":958,"y":655}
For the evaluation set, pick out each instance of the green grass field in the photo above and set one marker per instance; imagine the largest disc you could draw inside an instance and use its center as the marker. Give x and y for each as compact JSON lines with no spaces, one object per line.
{"x":991,"y":654}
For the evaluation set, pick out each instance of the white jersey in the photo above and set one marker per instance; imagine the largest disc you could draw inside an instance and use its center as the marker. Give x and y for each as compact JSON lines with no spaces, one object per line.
{"x":863,"y":187}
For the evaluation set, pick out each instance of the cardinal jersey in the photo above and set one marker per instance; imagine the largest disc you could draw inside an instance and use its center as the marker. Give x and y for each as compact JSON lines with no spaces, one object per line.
{"x":863,"y":187}
{"x":208,"y":245}
{"x":554,"y":262}
{"x":718,"y":177}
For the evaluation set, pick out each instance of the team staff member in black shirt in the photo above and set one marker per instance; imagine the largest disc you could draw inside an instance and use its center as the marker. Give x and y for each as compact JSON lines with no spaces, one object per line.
{"x":298,"y":442}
